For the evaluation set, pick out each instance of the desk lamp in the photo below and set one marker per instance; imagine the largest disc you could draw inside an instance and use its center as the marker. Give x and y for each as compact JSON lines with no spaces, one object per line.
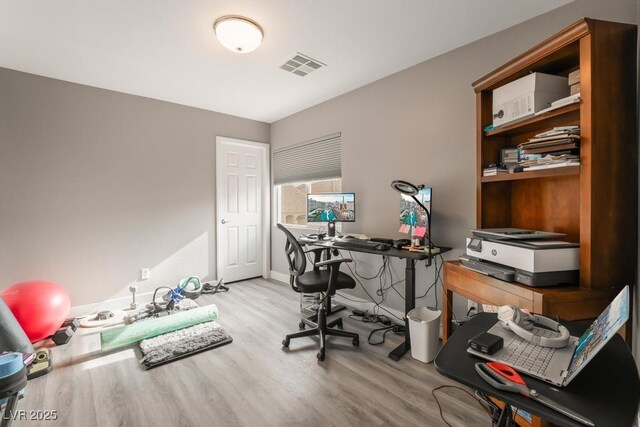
{"x":409,"y":189}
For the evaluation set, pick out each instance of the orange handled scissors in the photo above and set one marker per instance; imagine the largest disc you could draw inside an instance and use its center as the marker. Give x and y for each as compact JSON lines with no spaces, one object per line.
{"x":504,"y":377}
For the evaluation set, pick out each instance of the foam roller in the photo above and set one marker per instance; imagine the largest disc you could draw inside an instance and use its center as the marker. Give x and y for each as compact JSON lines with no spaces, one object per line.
{"x":120,"y":336}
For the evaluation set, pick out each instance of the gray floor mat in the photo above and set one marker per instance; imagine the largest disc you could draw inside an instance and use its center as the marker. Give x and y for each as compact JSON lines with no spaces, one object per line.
{"x":182,"y":343}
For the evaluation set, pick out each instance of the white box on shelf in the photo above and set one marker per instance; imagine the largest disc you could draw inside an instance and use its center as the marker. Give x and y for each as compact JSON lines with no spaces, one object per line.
{"x":524,"y":97}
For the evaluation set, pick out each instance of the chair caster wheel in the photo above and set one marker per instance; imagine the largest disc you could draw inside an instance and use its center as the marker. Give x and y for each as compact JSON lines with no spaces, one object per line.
{"x":285,"y":343}
{"x":356,"y":342}
{"x":301,"y":325}
{"x":320,"y":355}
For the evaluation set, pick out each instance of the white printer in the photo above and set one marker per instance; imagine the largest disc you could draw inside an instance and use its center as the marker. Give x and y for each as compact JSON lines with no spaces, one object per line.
{"x":535,"y":260}
{"x":526,"y":96}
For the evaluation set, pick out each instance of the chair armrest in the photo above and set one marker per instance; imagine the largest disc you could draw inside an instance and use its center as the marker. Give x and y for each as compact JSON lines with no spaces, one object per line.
{"x":331,"y":262}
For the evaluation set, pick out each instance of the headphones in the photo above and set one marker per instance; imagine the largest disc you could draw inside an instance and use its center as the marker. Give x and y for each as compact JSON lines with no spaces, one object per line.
{"x":190,"y":287}
{"x":521,"y":324}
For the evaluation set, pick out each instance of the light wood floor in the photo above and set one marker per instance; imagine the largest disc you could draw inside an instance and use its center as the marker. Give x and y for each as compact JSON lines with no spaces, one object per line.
{"x":251,"y":382}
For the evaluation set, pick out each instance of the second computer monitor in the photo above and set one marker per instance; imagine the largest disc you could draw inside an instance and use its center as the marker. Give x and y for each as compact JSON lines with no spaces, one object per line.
{"x":331,"y":207}
{"x":411,"y":213}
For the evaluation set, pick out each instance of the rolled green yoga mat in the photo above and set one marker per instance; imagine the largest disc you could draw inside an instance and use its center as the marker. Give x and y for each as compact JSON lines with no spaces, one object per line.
{"x":120,"y":336}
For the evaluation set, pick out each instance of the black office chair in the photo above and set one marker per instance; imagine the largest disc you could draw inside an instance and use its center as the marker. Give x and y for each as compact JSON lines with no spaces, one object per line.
{"x":325,"y":278}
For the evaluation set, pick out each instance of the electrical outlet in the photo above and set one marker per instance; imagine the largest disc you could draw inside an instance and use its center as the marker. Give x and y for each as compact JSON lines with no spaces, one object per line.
{"x":144,"y":274}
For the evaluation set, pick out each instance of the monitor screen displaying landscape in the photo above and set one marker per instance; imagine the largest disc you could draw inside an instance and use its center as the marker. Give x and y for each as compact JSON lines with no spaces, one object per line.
{"x":411,"y":213}
{"x":338,"y":207}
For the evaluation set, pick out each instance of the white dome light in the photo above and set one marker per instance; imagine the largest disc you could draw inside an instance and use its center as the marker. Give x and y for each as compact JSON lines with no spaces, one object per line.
{"x":238,"y":34}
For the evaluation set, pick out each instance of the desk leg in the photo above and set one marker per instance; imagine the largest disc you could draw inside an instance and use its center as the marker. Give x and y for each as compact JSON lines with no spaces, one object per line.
{"x":447,"y":314}
{"x":409,"y":304}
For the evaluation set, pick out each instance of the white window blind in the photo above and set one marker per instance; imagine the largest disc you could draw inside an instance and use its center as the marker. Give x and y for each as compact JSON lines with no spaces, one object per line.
{"x":310,"y":161}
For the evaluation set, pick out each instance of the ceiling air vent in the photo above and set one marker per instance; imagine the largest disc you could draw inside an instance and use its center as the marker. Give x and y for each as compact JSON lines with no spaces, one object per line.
{"x":302,"y":65}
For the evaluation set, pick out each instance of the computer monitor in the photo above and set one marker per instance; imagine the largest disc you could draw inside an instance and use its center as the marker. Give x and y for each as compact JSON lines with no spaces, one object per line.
{"x":411,"y":213}
{"x":331,"y":207}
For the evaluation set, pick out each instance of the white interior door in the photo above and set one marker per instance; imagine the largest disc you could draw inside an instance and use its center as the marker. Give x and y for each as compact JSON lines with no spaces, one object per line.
{"x":240,"y":179}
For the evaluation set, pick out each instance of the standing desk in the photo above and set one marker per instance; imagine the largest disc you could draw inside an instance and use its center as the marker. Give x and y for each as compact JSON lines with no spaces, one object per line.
{"x":606,"y":391}
{"x":409,"y":280}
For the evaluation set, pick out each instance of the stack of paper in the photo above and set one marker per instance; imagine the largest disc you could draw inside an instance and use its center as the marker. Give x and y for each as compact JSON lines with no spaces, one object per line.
{"x":551,"y":161}
{"x":571,"y":99}
{"x":562,"y":138}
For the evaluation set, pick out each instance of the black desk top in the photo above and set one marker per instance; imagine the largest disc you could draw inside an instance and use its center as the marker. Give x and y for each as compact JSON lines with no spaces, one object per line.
{"x":392,"y":252}
{"x":607,"y":391}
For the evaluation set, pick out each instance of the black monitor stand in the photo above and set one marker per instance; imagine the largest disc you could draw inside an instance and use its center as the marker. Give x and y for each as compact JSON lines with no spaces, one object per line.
{"x":331,"y":229}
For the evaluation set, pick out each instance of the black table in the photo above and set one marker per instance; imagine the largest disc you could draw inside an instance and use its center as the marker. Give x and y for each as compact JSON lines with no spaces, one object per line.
{"x":606,"y":391}
{"x":409,"y":280}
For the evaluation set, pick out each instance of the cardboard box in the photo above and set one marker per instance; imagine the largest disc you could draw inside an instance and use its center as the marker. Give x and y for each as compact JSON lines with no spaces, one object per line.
{"x":526,"y":96}
{"x":573,"y":89}
{"x":574,"y":77}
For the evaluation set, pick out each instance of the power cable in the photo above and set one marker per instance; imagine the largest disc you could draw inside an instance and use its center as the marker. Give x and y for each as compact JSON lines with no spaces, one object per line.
{"x":477,"y":399}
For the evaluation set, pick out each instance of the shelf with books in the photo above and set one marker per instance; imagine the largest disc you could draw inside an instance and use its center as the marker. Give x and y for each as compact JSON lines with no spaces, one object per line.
{"x":570,"y":199}
{"x":541,"y":173}
{"x":594,"y":203}
{"x":569,"y":114}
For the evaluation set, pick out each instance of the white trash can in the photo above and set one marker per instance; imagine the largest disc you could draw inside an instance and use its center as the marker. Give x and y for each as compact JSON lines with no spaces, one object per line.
{"x":424,"y":328}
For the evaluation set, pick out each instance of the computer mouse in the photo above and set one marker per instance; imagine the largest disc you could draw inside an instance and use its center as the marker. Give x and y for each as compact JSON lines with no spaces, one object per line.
{"x":383,"y":247}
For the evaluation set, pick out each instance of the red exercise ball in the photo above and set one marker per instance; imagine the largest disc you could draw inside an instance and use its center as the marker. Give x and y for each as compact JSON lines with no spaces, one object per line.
{"x":40,"y":307}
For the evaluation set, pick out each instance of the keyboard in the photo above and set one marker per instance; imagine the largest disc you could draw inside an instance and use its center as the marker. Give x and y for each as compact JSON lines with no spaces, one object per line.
{"x":523,"y":354}
{"x":355,"y":243}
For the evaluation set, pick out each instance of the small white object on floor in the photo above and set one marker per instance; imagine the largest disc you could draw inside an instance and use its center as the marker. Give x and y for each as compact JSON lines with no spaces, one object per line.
{"x":93,"y":320}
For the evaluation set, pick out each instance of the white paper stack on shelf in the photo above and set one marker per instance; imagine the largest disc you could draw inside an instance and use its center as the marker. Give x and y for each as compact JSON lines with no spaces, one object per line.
{"x":560,"y":138}
{"x":551,"y":161}
{"x":571,"y":99}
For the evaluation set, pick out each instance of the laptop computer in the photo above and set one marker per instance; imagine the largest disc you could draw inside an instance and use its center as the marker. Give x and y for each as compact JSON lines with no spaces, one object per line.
{"x":559,"y":366}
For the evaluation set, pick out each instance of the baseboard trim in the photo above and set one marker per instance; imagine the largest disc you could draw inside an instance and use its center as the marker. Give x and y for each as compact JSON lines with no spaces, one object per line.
{"x":280,"y":277}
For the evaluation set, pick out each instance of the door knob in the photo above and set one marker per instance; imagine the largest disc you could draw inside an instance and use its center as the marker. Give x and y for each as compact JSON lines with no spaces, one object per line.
{"x":225,"y":222}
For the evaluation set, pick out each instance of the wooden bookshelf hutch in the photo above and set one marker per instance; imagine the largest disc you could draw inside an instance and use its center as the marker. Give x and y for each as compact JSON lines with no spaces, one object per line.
{"x":594,"y":203}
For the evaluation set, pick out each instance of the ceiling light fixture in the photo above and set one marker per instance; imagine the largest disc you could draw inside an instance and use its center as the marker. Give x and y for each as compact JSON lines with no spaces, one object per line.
{"x":238,"y":34}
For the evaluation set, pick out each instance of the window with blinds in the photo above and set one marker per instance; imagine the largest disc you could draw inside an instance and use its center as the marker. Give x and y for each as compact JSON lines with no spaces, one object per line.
{"x":310,"y":161}
{"x":307,"y":168}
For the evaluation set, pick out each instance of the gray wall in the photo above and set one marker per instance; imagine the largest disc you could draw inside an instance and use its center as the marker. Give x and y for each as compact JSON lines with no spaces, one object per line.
{"x":95,"y":185}
{"x":418,"y":125}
